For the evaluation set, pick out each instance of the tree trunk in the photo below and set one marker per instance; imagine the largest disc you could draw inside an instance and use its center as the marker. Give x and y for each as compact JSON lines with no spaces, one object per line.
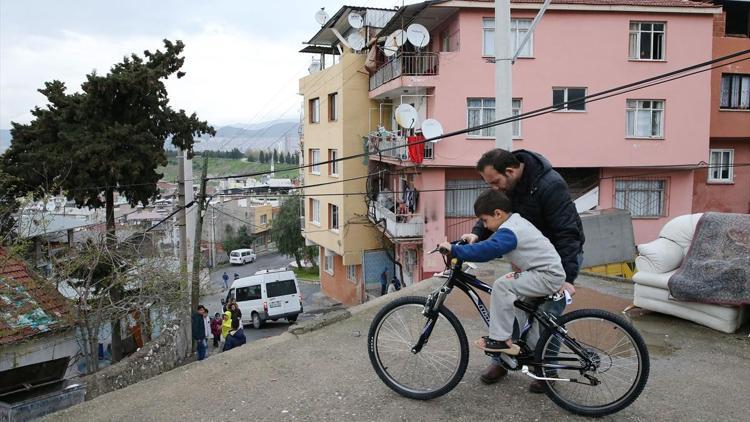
{"x":296,"y":258}
{"x":115,"y":292}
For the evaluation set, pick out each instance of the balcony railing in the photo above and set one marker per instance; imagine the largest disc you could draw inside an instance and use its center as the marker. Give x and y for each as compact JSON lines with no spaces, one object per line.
{"x":395,"y":147}
{"x":397,"y":226}
{"x":405,"y":64}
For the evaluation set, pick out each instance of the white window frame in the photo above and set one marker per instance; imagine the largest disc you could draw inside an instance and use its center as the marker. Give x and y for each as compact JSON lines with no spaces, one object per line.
{"x":725,"y":162}
{"x":315,"y":212}
{"x":640,"y":190}
{"x":516,"y":108}
{"x":634,"y":107}
{"x":735,"y":88}
{"x":334,"y":224}
{"x":351,"y":273}
{"x":516,"y":36}
{"x":328,"y":261}
{"x":333,"y":107}
{"x":264,"y":219}
{"x":487,"y":133}
{"x":634,"y":41}
{"x":315,"y":110}
{"x":315,"y":161}
{"x":566,"y":98}
{"x":488,"y":33}
{"x":333,"y":154}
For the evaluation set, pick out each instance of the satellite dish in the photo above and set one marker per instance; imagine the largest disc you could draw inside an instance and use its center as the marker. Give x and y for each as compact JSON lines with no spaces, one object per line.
{"x":431,"y":128}
{"x":355,"y":20}
{"x":399,"y":36}
{"x":321,"y":16}
{"x":50,"y":206}
{"x":356,"y":41}
{"x":406,"y":116}
{"x":418,"y":35}
{"x":390,"y":48}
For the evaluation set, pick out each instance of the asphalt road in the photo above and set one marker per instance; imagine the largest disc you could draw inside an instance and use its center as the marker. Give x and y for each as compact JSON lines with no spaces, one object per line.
{"x":264,"y":262}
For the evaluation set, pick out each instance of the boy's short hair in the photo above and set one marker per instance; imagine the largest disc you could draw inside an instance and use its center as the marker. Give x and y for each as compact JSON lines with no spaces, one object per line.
{"x":489,"y":201}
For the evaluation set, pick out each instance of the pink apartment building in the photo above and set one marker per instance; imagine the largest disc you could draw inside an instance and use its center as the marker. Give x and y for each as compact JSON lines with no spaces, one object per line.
{"x":633,"y":151}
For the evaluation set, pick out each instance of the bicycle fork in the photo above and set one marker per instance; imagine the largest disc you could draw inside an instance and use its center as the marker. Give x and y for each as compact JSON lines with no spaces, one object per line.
{"x":434,"y":302}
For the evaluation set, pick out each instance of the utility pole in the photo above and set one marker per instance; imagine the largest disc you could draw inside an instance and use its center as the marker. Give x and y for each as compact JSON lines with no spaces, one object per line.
{"x":213,"y":236}
{"x":182,"y":223}
{"x":503,"y":76}
{"x":201,"y":206}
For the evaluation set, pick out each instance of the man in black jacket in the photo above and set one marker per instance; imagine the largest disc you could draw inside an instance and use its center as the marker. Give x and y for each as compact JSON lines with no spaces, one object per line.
{"x":199,"y":331}
{"x":540,"y":195}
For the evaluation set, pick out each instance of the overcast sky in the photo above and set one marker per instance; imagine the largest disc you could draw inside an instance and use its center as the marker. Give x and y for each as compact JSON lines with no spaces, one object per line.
{"x":242,"y":59}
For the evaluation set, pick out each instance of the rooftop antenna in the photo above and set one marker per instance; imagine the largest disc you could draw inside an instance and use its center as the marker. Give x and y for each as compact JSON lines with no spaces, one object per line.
{"x":431,"y":128}
{"x":356,"y":41}
{"x":355,"y":20}
{"x":406,"y":116}
{"x":321,"y":16}
{"x":418,"y":35}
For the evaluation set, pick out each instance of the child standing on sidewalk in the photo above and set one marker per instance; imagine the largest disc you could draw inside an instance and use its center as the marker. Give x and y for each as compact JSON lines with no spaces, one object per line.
{"x":541,"y":271}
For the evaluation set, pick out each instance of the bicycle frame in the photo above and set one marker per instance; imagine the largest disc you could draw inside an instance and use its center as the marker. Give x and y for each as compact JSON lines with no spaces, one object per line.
{"x":467,"y":283}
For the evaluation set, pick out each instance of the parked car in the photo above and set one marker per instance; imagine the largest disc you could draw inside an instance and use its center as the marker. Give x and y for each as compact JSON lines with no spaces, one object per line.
{"x":270,"y":296}
{"x":241,"y":256}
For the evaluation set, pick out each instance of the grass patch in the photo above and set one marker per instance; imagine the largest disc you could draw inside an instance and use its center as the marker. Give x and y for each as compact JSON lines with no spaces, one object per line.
{"x":226,"y":167}
{"x":312,"y":274}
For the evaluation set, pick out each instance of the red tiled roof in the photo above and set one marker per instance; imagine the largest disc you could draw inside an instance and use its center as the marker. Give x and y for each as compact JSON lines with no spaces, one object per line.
{"x":646,"y":3}
{"x":28,"y":305}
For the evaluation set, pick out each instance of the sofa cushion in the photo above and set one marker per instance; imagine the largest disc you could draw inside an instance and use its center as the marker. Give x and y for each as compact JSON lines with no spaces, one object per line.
{"x":659,"y":256}
{"x":658,"y":280}
{"x":681,"y":229}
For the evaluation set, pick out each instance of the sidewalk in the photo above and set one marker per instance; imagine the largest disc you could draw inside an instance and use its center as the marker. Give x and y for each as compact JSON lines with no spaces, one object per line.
{"x":696,"y":374}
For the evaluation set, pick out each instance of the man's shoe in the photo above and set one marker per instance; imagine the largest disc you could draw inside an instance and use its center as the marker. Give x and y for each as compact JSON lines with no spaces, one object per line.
{"x":493,"y":373}
{"x":536,"y":387}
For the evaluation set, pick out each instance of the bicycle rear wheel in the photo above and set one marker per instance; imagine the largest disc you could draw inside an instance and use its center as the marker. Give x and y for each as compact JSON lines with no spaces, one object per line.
{"x":620,"y":356}
{"x":434,"y":370}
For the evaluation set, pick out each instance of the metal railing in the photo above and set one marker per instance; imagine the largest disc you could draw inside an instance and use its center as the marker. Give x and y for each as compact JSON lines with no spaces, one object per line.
{"x":405,"y":64}
{"x":397,"y":148}
{"x":397,"y":225}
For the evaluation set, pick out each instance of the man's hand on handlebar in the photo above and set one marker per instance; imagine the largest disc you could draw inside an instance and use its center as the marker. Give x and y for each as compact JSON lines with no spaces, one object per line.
{"x":444,"y":248}
{"x":469,"y":238}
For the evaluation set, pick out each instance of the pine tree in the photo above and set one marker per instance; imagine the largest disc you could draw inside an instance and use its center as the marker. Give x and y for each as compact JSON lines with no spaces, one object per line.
{"x":262,"y":158}
{"x":275,"y":156}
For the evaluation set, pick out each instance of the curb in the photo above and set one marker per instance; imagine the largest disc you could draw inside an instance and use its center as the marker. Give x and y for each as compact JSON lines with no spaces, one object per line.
{"x":607,"y":277}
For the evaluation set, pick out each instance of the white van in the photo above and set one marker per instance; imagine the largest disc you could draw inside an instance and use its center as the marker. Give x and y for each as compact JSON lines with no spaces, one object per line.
{"x":241,"y":256}
{"x":274,"y":295}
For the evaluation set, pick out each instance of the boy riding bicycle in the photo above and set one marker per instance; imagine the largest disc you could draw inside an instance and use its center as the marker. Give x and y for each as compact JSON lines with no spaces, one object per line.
{"x":541,"y":271}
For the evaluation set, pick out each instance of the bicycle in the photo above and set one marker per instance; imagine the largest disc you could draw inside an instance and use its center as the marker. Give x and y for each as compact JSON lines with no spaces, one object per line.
{"x":592,"y":362}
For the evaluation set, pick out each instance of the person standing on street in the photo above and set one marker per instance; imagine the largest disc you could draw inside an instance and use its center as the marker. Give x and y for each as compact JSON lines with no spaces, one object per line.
{"x":207,"y":327}
{"x":199,"y":331}
{"x":540,"y":195}
{"x":216,"y":329}
{"x":225,"y":277}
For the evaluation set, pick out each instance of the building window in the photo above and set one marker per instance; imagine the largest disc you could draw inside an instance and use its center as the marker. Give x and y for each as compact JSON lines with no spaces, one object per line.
{"x":516,"y":110}
{"x":518,"y":30}
{"x":720,"y":166}
{"x":429,"y":150}
{"x":737,"y":22}
{"x":333,"y":166}
{"x":575,"y":97}
{"x":460,"y":196}
{"x":329,"y":262}
{"x":264,"y":219}
{"x":315,"y":161}
{"x":351,"y":272}
{"x":735,"y":91}
{"x":480,"y":111}
{"x":643,"y":198}
{"x":333,"y":217}
{"x":645,"y":118}
{"x":488,"y":37}
{"x":315,"y":110}
{"x":333,"y":109}
{"x":448,"y":41}
{"x":646,"y":41}
{"x":315,"y":211}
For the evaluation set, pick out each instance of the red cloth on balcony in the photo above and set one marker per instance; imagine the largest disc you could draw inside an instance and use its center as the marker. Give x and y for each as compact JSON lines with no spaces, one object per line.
{"x":416,"y":148}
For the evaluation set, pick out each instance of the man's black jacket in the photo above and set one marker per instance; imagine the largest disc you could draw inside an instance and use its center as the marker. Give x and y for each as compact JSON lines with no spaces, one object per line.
{"x":198,"y":327}
{"x":542,"y":197}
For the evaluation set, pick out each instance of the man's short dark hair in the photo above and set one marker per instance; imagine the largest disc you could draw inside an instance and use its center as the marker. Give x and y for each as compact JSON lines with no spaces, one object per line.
{"x":489,"y":201}
{"x":202,"y":307}
{"x":499,"y":159}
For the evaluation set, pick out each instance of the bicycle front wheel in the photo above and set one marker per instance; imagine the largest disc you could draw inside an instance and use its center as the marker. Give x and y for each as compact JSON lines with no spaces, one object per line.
{"x":620,"y":363}
{"x":433,"y":371}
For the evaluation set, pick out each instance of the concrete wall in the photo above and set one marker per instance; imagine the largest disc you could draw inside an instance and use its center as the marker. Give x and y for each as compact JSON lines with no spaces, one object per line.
{"x":41,"y":349}
{"x":728,"y":123}
{"x":725,"y":197}
{"x":337,"y":285}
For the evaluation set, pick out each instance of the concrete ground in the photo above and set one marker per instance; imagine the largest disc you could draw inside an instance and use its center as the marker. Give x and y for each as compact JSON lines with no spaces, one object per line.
{"x":696,"y":374}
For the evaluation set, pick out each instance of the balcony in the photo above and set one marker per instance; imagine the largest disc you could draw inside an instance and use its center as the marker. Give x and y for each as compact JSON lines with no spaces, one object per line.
{"x":395,"y":148}
{"x":397,"y":226}
{"x":405,"y":64}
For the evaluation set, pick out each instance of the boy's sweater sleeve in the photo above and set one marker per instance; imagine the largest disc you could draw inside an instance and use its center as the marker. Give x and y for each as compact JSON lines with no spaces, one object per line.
{"x":500,"y":243}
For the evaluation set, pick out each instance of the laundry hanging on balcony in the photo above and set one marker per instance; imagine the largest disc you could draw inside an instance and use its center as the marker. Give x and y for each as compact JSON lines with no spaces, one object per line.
{"x":416,"y":148}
